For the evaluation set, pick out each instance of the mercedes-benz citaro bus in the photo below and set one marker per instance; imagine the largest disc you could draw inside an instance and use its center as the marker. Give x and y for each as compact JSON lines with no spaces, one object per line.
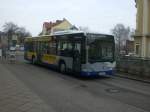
{"x":86,"y":54}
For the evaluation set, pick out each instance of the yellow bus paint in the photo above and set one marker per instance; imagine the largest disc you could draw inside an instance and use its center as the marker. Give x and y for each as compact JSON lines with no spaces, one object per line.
{"x":30,"y":54}
{"x":49,"y":59}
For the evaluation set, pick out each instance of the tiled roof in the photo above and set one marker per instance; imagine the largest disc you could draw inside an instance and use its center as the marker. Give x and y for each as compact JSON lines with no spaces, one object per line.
{"x":49,"y":25}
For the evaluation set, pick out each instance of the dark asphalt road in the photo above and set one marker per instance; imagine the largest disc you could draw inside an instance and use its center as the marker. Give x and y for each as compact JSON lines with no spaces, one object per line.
{"x":65,"y":93}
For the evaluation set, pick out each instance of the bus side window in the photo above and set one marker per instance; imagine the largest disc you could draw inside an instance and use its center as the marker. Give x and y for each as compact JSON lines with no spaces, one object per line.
{"x":43,"y":48}
{"x":62,"y":46}
{"x":77,"y":47}
{"x":34,"y":46}
{"x":30,"y":46}
{"x":40,"y":46}
{"x":52,"y":47}
{"x":69,"y":51}
{"x":47,"y":47}
{"x":65,"y":48}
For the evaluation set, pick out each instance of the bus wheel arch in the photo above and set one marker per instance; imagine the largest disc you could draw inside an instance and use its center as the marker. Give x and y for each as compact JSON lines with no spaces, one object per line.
{"x":62,"y":66}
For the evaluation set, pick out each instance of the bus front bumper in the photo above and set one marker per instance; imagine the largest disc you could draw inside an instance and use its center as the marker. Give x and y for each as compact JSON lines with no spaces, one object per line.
{"x":98,"y":73}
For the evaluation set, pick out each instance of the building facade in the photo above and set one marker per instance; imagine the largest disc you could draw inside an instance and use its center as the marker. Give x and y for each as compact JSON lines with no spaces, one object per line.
{"x":142,"y":33}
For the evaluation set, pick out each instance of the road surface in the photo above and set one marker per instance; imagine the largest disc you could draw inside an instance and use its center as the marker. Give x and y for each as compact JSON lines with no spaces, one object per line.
{"x":65,"y":93}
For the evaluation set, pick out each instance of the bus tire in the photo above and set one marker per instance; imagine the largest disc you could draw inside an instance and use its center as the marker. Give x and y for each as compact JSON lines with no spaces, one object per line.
{"x":33,"y":60}
{"x":62,"y":67}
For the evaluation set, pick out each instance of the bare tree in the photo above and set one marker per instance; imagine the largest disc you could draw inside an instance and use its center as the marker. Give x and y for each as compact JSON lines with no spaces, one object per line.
{"x":121,"y":34}
{"x":11,"y":29}
{"x":22,"y":33}
{"x":132,"y":33}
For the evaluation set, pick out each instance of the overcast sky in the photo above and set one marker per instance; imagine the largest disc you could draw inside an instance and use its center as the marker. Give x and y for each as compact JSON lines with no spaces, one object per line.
{"x":98,"y":15}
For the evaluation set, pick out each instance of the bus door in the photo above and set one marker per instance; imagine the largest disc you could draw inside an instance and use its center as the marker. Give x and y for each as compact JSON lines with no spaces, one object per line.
{"x":41,"y":50}
{"x":77,"y":57}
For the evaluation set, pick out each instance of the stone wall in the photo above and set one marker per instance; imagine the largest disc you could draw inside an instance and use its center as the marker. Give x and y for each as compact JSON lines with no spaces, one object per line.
{"x":134,"y":66}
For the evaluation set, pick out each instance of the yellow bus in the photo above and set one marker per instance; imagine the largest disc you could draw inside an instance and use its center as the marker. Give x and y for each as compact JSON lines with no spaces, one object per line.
{"x":87,"y":54}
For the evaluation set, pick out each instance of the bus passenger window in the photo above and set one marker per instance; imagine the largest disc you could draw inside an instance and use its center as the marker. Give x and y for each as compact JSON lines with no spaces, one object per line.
{"x":65,"y":48}
{"x":77,"y":47}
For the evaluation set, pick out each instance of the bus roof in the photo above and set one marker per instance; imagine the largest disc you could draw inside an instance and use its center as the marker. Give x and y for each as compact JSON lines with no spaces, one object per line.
{"x":39,"y":38}
{"x":67,"y":32}
{"x":77,"y":32}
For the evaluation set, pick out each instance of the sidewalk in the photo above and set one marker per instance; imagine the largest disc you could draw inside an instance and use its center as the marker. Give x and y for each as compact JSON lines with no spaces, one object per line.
{"x":16,"y":97}
{"x":132,"y":77}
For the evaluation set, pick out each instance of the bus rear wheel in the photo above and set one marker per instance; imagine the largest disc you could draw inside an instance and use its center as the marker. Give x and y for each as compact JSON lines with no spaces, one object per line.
{"x":62,"y":67}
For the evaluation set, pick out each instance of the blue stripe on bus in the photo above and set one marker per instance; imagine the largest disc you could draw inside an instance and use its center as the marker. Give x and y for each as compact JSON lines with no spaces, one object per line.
{"x":106,"y":73}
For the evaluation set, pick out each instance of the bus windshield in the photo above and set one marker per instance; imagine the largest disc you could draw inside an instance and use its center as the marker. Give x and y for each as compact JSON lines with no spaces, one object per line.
{"x":100,"y":50}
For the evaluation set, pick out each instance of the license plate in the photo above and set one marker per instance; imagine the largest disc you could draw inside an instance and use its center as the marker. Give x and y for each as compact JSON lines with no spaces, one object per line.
{"x":102,"y":73}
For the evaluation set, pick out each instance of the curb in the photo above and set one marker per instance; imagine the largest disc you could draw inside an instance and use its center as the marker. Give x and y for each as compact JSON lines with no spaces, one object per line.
{"x":127,"y":76}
